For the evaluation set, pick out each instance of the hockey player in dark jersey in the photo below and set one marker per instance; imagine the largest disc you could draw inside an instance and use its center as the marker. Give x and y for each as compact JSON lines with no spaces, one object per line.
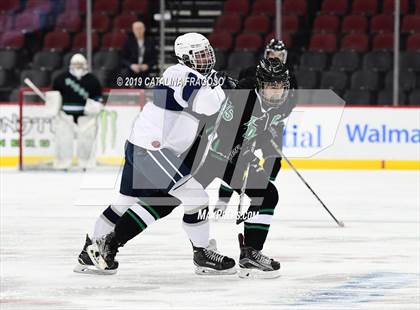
{"x":258,"y":113}
{"x":275,"y":49}
{"x":81,"y":95}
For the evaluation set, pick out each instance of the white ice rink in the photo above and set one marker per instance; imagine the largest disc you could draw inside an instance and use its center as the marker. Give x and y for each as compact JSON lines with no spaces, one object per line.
{"x":372,"y":263}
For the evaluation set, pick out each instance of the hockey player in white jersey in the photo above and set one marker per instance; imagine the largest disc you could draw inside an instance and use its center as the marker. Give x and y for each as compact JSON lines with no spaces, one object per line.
{"x":155,"y":179}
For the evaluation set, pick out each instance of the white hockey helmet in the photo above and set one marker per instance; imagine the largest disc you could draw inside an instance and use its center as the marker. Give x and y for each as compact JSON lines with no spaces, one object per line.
{"x":194,"y":50}
{"x":78,"y":66}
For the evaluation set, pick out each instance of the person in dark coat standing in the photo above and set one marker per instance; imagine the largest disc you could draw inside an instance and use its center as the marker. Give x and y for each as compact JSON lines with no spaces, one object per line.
{"x":138,"y":53}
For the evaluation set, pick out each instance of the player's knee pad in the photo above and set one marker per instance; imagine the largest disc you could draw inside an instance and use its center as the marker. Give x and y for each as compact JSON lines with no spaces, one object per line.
{"x":191,"y":194}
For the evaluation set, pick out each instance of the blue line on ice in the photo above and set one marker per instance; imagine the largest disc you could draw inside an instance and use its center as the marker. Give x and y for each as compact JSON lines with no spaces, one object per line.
{"x":361,"y":289}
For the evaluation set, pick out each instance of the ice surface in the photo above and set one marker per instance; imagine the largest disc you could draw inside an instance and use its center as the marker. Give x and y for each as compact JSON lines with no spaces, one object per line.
{"x":372,"y":263}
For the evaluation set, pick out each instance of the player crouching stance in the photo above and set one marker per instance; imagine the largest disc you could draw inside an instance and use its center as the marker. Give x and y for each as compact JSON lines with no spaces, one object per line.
{"x":155,"y":179}
{"x":81,"y":102}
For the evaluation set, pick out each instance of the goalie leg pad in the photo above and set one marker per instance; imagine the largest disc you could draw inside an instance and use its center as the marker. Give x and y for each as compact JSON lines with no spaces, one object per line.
{"x":86,"y":141}
{"x":64,"y":137}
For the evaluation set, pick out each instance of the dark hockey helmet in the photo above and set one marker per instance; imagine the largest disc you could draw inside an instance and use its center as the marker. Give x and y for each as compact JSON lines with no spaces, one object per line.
{"x":272,"y":82}
{"x":276,"y":49}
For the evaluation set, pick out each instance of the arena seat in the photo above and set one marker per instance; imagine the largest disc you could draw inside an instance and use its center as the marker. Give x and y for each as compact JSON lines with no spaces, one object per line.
{"x":334,"y":7}
{"x":413,"y":42}
{"x":355,"y":42}
{"x":377,"y":61}
{"x":38,"y":77}
{"x":267,"y":7}
{"x":221,"y":40}
{"x":109,"y":7}
{"x":100,"y":22}
{"x":294,"y":7}
{"x":113,"y":40}
{"x":358,"y":97}
{"x":388,"y":7}
{"x":248,"y":41}
{"x":411,"y":24}
{"x":345,"y":61}
{"x":407,"y":80}
{"x":79,"y":41}
{"x":383,"y":41}
{"x":326,"y":23}
{"x":306,"y":79}
{"x":9,"y":6}
{"x":46,"y":60}
{"x":57,"y":40}
{"x":8,"y":59}
{"x":410,"y":60}
{"x":382,"y":24}
{"x":124,"y":22}
{"x":385,"y":97}
{"x":365,"y":80}
{"x":236,"y":7}
{"x":312,"y":60}
{"x":69,"y":22}
{"x":354,"y":24}
{"x":27,"y":22}
{"x":326,"y":42}
{"x":257,"y":23}
{"x":230,"y":23}
{"x":335,"y":80}
{"x":12,"y":39}
{"x":365,"y":7}
{"x":290,"y":23}
{"x":135,"y":7}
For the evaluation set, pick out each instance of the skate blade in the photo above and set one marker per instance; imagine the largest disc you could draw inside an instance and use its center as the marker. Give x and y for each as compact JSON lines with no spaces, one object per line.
{"x":96,"y":258}
{"x":248,"y":273}
{"x":205,"y":271}
{"x":79,"y":268}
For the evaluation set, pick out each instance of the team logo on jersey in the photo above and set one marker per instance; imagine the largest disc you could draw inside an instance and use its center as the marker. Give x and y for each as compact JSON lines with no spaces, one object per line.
{"x":251,"y":128}
{"x":228,"y":113}
{"x":276,"y":120}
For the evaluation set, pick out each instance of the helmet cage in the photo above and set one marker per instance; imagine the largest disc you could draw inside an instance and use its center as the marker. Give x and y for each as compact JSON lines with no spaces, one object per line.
{"x":203,"y":59}
{"x":274,"y":99}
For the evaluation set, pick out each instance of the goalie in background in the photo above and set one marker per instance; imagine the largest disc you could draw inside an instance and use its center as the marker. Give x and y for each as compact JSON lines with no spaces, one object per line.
{"x":81,"y":102}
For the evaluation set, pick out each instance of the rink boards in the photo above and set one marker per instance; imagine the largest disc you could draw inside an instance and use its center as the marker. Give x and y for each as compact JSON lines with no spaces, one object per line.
{"x":315,"y":137}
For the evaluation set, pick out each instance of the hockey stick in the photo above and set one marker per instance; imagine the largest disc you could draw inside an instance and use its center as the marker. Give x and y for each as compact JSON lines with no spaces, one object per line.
{"x":207,"y":149}
{"x":36,"y":90}
{"x":241,"y":217}
{"x":278,"y":150}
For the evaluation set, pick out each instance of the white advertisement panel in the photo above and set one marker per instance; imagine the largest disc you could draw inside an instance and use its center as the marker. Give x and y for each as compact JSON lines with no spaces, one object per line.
{"x":312,"y":133}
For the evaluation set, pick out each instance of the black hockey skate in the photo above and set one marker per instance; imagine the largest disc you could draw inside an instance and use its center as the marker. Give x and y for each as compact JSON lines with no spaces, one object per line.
{"x":209,"y":262}
{"x":254,"y":264}
{"x":102,"y":252}
{"x":85,"y":264}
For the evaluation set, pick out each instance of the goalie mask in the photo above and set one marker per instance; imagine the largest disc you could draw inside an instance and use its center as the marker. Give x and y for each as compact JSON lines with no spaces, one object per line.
{"x":194,"y":50}
{"x":272,"y":82}
{"x":78,"y":66}
{"x":276,"y":49}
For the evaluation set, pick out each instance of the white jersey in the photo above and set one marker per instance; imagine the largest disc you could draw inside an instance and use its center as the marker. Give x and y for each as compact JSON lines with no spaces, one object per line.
{"x":170,"y":121}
